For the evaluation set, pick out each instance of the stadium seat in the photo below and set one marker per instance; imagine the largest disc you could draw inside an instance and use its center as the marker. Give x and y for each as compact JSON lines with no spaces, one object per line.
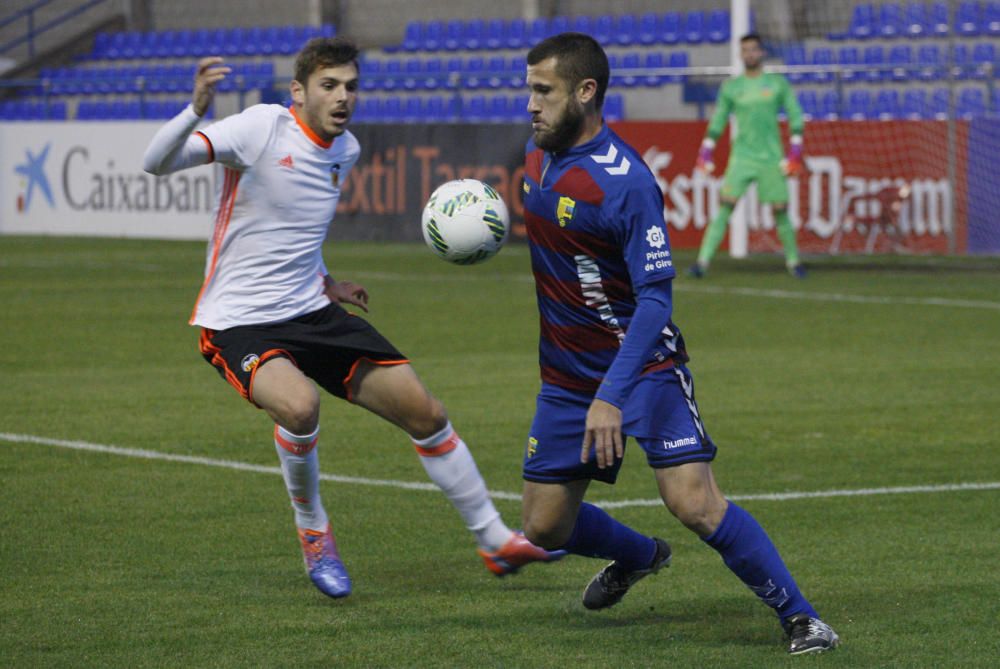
{"x":413,"y":39}
{"x":392,"y":110}
{"x":453,"y":35}
{"x":630,"y":63}
{"x":474,"y":109}
{"x":984,"y":60}
{"x":670,"y":28}
{"x":453,"y":73}
{"x":940,"y":25}
{"x":890,"y":21}
{"x":495,"y":34}
{"x":474,"y":35}
{"x":968,"y":19}
{"x":654,"y":60}
{"x":498,"y":109}
{"x":859,"y":106}
{"x":694,"y":27}
{"x":930,"y":62}
{"x":474,"y":73}
{"x":971,"y":103}
{"x":626,"y":30}
{"x":538,"y":29}
{"x":991,"y":19}
{"x":862,"y":24}
{"x":718,"y":26}
{"x":901,"y":61}
{"x":517,"y":67}
{"x":822,"y":57}
{"x":413,"y":110}
{"x":371,"y":71}
{"x":614,"y":107}
{"x":434,"y":109}
{"x":413,"y":69}
{"x":873,"y":57}
{"x":557,"y":25}
{"x":915,"y":105}
{"x":433,"y":36}
{"x":795,"y":55}
{"x":961,"y":61}
{"x":849,"y":56}
{"x":392,"y":74}
{"x":434,"y":75}
{"x":916,"y":21}
{"x":678,"y":59}
{"x":940,"y":103}
{"x":829,"y":105}
{"x":886,"y":106}
{"x":994,"y":111}
{"x":604,"y":29}
{"x":647,"y":31}
{"x":496,"y":69}
{"x":517,"y":34}
{"x":614,"y":64}
{"x":809,"y":101}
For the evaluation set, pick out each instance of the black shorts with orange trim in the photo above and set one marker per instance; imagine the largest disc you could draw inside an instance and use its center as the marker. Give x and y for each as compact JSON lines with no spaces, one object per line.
{"x":326,"y":345}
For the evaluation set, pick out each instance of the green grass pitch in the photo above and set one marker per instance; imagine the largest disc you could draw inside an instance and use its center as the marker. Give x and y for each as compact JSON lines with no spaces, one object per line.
{"x":869,"y":374}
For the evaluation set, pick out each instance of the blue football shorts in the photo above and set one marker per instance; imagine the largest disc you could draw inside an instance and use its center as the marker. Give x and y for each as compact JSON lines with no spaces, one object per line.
{"x":660,"y":414}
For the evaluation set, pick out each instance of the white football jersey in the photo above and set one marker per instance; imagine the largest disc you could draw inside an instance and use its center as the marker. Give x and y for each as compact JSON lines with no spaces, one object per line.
{"x":279,"y":193}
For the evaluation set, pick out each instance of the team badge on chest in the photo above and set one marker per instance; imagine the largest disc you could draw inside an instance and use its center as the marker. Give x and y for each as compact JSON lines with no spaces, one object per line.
{"x":565,"y":210}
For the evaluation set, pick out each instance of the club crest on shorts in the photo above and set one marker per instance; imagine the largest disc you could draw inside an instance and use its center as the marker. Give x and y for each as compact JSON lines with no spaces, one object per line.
{"x":250,"y":362}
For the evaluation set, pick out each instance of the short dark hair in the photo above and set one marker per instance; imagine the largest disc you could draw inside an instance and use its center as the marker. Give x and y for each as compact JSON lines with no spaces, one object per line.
{"x":752,"y":37}
{"x":578,"y":57}
{"x":322,"y":52}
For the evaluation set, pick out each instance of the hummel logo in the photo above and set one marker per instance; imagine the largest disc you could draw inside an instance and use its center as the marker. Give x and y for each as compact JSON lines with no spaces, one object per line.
{"x":287,"y":162}
{"x":609,"y":158}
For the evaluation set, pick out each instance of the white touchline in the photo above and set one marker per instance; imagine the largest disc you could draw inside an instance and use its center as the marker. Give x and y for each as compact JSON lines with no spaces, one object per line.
{"x":734,"y":290}
{"x":496,"y":494}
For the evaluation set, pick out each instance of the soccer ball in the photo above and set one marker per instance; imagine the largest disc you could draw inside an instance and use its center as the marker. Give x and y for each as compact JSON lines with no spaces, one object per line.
{"x":465,"y":221}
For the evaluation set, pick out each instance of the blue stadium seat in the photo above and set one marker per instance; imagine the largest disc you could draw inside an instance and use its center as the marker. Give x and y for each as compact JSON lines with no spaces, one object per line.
{"x":474,"y":73}
{"x":413,"y":110}
{"x":102,"y":41}
{"x":678,"y":59}
{"x":474,"y":109}
{"x":991,"y":19}
{"x":670,"y":28}
{"x":718,"y":26}
{"x":583,"y":24}
{"x":519,"y":108}
{"x":859,"y":106}
{"x":995,"y":105}
{"x":890,"y":21}
{"x":433,"y":36}
{"x":874,"y":56}
{"x":930,"y":62}
{"x":413,"y":69}
{"x":517,"y":68}
{"x":916,"y":21}
{"x":517,"y":34}
{"x":914,"y":106}
{"x":413,"y":40}
{"x":434,"y":75}
{"x":940,"y":25}
{"x":538,"y":29}
{"x":971,"y":103}
{"x":849,"y":56}
{"x":939,"y":103}
{"x":829,"y":105}
{"x":901,"y":61}
{"x":694,"y":27}
{"x":795,"y":55}
{"x":823,"y":57}
{"x":496,"y":69}
{"x":392,"y":110}
{"x":434,"y":109}
{"x":370,"y":75}
{"x":647,"y":31}
{"x":453,"y":35}
{"x":809,"y":101}
{"x":886,"y":106}
{"x":968,"y":19}
{"x":289,"y":40}
{"x":862,"y":24}
{"x":614,"y":64}
{"x":474,"y":35}
{"x":961,"y":61}
{"x":654,"y":60}
{"x":392,"y":70}
{"x":558,"y":24}
{"x":498,"y":110}
{"x":496,"y":31}
{"x":604,"y":29}
{"x":453,"y":73}
{"x":626,"y":30}
{"x":614,"y":107}
{"x":631,"y":62}
{"x":984,"y":60}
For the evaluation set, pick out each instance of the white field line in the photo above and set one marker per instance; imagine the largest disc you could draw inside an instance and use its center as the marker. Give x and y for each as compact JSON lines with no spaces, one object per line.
{"x":410,"y":485}
{"x":722,"y":290}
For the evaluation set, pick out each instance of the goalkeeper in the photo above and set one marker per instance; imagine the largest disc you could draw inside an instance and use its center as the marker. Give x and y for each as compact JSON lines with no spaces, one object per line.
{"x":754,"y":98}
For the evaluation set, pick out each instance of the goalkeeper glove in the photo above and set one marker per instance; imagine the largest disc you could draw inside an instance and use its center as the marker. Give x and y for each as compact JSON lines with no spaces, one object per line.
{"x":704,"y":163}
{"x":792,"y":165}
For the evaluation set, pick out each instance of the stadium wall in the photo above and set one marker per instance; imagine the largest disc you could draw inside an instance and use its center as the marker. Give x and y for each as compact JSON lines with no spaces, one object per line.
{"x":87,"y":179}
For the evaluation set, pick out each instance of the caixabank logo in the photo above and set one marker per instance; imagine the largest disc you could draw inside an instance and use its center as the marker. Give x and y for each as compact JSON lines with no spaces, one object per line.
{"x":84,"y":178}
{"x":34,"y":179}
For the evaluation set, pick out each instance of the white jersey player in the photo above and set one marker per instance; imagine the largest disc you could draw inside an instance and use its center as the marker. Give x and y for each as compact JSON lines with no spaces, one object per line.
{"x":269,"y":312}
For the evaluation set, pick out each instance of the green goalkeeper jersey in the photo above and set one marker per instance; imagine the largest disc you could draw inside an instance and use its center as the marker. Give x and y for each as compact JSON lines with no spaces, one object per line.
{"x":755,"y":101}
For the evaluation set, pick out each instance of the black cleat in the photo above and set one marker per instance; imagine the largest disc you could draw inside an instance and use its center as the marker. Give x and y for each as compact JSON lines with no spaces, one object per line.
{"x":809,"y":635}
{"x":697,"y":271}
{"x":610,"y":585}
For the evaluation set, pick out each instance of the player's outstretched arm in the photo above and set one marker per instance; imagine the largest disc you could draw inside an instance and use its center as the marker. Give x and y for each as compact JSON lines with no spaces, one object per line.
{"x":173,"y":147}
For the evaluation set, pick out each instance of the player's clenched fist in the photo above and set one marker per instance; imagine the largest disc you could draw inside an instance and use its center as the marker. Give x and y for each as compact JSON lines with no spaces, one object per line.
{"x":209,"y":73}
{"x":793,"y":164}
{"x":705,"y":163}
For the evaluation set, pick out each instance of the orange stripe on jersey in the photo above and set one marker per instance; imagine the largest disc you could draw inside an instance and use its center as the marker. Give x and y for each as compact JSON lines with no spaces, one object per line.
{"x":293,"y":447}
{"x":309,"y":131}
{"x":447,"y":446}
{"x":208,"y":143}
{"x":226,"y":202}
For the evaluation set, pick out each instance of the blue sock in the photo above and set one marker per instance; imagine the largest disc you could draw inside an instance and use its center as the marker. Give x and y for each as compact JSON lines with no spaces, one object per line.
{"x":596,"y":534}
{"x":748,"y":552}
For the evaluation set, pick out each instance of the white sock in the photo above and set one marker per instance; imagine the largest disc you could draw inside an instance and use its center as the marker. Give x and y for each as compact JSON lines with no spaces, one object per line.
{"x":300,"y":467}
{"x":450,"y":465}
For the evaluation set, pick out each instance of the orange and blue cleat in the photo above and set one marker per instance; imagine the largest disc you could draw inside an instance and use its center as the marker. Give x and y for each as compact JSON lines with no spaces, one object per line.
{"x":323,"y":564}
{"x":516,"y":553}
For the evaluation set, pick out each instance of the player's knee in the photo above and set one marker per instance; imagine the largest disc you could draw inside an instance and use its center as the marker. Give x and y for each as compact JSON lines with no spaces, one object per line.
{"x":428,"y":419}
{"x":701,"y":514}
{"x":546,"y":535}
{"x":300,"y":413}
